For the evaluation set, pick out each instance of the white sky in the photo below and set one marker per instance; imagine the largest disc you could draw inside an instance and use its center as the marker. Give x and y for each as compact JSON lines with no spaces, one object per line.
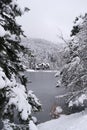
{"x":47,"y":17}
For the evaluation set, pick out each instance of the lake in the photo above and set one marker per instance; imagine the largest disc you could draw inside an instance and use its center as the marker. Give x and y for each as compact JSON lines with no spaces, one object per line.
{"x":44,"y":86}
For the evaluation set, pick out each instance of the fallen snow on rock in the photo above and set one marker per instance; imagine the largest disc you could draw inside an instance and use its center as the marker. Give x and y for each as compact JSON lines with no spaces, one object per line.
{"x":76,"y":121}
{"x":59,"y":109}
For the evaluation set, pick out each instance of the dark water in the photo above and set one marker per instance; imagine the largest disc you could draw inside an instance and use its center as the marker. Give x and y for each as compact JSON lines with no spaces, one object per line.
{"x":44,"y":86}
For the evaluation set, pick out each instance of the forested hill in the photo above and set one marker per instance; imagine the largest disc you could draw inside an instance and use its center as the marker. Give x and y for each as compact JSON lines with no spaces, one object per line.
{"x":45,"y":52}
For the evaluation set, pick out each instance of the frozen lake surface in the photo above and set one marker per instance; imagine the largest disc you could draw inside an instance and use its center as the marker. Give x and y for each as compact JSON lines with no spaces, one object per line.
{"x":44,"y":86}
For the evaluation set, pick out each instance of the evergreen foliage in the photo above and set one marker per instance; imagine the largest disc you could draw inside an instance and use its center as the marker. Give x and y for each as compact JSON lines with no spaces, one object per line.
{"x":73,"y":76}
{"x":9,"y":42}
{"x":15,"y":102}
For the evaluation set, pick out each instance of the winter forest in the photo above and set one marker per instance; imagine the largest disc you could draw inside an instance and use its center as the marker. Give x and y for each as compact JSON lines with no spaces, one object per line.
{"x":43,"y":83}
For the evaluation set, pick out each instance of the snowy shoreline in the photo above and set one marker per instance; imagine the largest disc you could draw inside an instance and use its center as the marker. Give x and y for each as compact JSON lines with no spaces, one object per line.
{"x":75,"y":121}
{"x":46,"y":71}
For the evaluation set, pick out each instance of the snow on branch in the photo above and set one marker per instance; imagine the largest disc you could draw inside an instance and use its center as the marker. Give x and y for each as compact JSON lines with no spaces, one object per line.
{"x":17,"y":96}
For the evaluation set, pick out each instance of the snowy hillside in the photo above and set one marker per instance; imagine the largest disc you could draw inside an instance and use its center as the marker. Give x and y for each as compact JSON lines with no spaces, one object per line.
{"x":45,"y":52}
{"x":76,"y":121}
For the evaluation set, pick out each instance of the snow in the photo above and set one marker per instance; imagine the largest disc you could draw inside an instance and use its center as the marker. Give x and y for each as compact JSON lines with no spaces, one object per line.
{"x":30,"y":70}
{"x":82,"y":98}
{"x":76,"y":59}
{"x":74,"y":62}
{"x":32,"y":126}
{"x":11,"y":126}
{"x":58,"y":83}
{"x":34,"y":119}
{"x":57,"y":74}
{"x":44,"y":52}
{"x":16,"y":94}
{"x":33,"y":97}
{"x":49,"y":71}
{"x":79,"y":21}
{"x":4,"y":81}
{"x":78,"y":101}
{"x":2,"y":31}
{"x":7,"y":125}
{"x":20,"y":5}
{"x":18,"y":98}
{"x":76,"y":121}
{"x":59,"y":109}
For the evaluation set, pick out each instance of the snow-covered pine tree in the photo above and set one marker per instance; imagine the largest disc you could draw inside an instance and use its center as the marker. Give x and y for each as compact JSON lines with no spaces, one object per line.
{"x":73,"y":76}
{"x":16,"y":104}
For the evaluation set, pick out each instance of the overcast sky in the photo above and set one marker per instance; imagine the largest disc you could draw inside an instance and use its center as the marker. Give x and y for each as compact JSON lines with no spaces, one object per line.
{"x":47,"y":17}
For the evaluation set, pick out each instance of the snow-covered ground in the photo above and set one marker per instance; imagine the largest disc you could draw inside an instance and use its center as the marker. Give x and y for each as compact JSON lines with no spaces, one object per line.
{"x":31,"y":70}
{"x":76,"y":121}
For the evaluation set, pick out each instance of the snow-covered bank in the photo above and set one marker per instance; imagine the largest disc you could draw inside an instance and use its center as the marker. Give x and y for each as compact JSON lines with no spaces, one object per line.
{"x":31,"y":70}
{"x":76,"y":121}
